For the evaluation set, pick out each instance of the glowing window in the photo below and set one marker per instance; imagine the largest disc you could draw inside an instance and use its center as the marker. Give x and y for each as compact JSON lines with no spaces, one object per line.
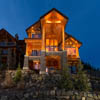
{"x":51,"y":42}
{"x":71,"y":51}
{"x":47,"y":42}
{"x":55,"y":42}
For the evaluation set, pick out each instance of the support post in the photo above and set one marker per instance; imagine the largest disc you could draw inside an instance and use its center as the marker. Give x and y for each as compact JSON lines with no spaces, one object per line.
{"x":63,"y":38}
{"x":26,"y":63}
{"x":43,"y":63}
{"x":43,"y":37}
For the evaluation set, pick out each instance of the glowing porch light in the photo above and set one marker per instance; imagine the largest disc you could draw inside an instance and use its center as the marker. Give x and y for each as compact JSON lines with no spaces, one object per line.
{"x":58,"y":21}
{"x":53,"y":21}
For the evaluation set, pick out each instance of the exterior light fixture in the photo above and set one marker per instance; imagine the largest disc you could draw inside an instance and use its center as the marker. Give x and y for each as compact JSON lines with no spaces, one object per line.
{"x":53,"y":21}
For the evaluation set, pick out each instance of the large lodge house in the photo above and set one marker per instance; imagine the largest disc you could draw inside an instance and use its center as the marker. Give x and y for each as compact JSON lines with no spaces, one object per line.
{"x":12,"y":50}
{"x":47,"y":45}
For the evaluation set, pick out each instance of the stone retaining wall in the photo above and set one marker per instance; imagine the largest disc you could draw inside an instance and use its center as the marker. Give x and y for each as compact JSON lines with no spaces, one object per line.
{"x":31,"y":94}
{"x":42,"y":87}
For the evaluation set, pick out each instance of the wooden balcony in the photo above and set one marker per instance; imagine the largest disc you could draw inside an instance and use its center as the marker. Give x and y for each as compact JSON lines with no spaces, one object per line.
{"x":7,"y":44}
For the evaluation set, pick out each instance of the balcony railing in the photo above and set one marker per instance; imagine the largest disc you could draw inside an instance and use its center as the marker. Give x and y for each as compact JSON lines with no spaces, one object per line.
{"x":35,"y":53}
{"x":4,"y":52}
{"x":52,"y":48}
{"x":7,"y":44}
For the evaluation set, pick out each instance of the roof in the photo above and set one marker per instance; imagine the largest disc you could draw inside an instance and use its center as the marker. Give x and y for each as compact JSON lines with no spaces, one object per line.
{"x":33,"y":24}
{"x":72,"y":37}
{"x":5,"y":32}
{"x":54,"y":9}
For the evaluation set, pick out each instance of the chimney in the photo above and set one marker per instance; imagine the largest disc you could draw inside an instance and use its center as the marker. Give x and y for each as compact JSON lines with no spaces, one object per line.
{"x":16,"y":37}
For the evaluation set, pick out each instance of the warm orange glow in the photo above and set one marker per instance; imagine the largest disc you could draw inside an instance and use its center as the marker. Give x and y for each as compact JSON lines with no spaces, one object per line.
{"x":56,"y":49}
{"x":55,"y":42}
{"x":43,"y":38}
{"x":63,"y":38}
{"x":51,"y":42}
{"x":47,"y":42}
{"x":52,"y":29}
{"x":53,"y":21}
{"x":77,"y":52}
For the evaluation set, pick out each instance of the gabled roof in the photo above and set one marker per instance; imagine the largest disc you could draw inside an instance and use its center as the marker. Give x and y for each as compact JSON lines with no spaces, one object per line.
{"x":72,"y":37}
{"x":54,"y":9}
{"x":32,"y":25}
{"x":6,"y":33}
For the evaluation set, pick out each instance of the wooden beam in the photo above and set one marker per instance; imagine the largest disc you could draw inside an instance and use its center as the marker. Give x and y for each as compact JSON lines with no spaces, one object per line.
{"x":63,"y":38}
{"x":43,"y":37}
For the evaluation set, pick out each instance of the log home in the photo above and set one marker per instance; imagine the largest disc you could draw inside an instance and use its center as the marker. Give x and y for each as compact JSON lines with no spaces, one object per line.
{"x":12,"y":50}
{"x":7,"y":50}
{"x":48,"y":45}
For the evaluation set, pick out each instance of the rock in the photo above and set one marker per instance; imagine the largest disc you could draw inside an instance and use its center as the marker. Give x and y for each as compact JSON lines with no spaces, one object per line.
{"x":8,"y":82}
{"x":26,"y":95}
{"x":58,"y":93}
{"x":88,"y":98}
{"x":70,"y":93}
{"x":73,"y":97}
{"x":67,"y":97}
{"x":83,"y":98}
{"x":52,"y":92}
{"x":99,"y":96}
{"x":21,"y":85}
{"x":4,"y":98}
{"x":78,"y":97}
{"x":90,"y":95}
{"x":40,"y":87}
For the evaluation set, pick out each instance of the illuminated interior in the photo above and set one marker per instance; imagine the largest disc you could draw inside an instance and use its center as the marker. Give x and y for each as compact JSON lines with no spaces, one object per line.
{"x":35,"y":64}
{"x":53,"y":61}
{"x":51,"y":45}
{"x":48,"y":34}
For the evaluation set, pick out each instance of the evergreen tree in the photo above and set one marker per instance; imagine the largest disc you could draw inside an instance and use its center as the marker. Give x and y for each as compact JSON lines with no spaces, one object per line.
{"x":18,"y":74}
{"x":81,"y":80}
{"x":66,"y":79}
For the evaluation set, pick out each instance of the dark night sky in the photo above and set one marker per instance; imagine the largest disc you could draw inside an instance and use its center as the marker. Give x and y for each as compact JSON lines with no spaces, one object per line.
{"x":84,"y":21}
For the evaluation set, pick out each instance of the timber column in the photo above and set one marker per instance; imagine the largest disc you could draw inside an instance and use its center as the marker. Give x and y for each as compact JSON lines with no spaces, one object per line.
{"x":63,"y":38}
{"x":43,"y":38}
{"x":64,"y":53}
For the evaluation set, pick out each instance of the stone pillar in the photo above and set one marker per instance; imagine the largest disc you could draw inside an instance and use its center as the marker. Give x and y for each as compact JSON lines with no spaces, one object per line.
{"x":64,"y":58}
{"x":43,"y":63}
{"x":26,"y":63}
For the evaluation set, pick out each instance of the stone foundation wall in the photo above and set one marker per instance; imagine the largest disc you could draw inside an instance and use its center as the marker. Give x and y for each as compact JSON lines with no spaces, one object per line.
{"x":40,"y":87}
{"x":31,"y":94}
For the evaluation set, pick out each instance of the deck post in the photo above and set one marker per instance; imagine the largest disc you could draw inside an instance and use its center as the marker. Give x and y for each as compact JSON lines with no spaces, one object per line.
{"x":26,"y":64}
{"x":43,"y":63}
